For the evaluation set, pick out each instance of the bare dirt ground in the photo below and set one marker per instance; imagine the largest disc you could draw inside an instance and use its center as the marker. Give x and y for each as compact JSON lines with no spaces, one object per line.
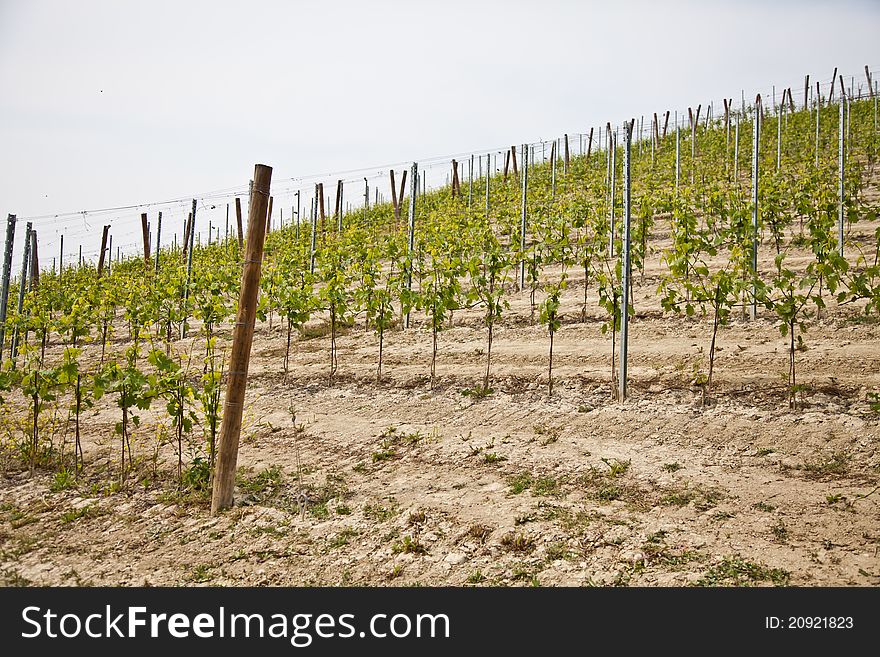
{"x":407,"y":485}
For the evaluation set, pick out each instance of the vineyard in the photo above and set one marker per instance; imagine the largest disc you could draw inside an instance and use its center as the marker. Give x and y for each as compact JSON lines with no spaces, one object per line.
{"x":650,"y":360}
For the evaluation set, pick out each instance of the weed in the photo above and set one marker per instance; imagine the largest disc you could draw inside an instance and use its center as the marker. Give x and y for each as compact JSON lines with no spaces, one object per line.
{"x":764,"y":451}
{"x":736,"y":571}
{"x":677,"y":498}
{"x":780,"y":532}
{"x":617,"y":467}
{"x":381,"y":512}
{"x":343,"y":510}
{"x":476,"y":577}
{"x":557,"y":551}
{"x":262,"y":486}
{"x":478,"y":392}
{"x":409,"y":545}
{"x":672,"y":467}
{"x":479,"y":532}
{"x":417,"y":517}
{"x":343,"y":538}
{"x":492,"y":457}
{"x":609,"y":493}
{"x":546,"y":486}
{"x":515,"y":542}
{"x":63,"y":480}
{"x":197,"y":475}
{"x":763,"y":506}
{"x":201,"y":573}
{"x":833,"y":465}
{"x":396,"y":572}
{"x":519,"y":483}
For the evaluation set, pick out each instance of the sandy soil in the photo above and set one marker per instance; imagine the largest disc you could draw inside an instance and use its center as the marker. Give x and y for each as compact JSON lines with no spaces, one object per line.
{"x":405,"y":484}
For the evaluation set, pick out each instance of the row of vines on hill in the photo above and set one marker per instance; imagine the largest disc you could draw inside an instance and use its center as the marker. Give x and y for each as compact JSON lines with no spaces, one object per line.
{"x":87,"y":335}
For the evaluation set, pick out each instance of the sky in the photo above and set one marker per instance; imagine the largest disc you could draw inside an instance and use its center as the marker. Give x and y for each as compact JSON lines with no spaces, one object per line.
{"x":119,"y":104}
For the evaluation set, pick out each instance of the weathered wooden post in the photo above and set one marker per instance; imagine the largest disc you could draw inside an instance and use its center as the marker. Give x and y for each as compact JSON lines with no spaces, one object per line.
{"x":242,"y":338}
{"x":7,"y":272}
{"x":238,"y":222}
{"x":103,"y":250}
{"x":145,"y":229}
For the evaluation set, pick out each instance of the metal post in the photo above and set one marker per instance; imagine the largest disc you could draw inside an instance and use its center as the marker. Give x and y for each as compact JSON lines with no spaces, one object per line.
{"x":297,"y":215}
{"x":413,"y":190}
{"x":818,"y":112}
{"x":613,"y":143}
{"x":553,"y":169}
{"x":366,"y":205}
{"x":315,"y":228}
{"x":779,"y":114}
{"x":339,"y":192}
{"x":189,"y":264}
{"x":7,"y":272}
{"x":841,"y":159}
{"x":60,"y":255}
{"x":625,"y":265}
{"x":159,"y":234}
{"x":22,"y":287}
{"x":756,"y":148}
{"x":471,"y":181}
{"x":736,"y":152}
{"x":522,"y":229}
{"x":677,"y":154}
{"x":488,"y":177}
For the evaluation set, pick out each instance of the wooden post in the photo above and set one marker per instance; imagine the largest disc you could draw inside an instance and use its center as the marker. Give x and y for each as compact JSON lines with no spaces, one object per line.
{"x":395,"y":206}
{"x":269,"y":217}
{"x":590,"y":144}
{"x":657,"y":129}
{"x":103,"y":250}
{"x":159,"y":237}
{"x":146,"y":231}
{"x":806,"y":90}
{"x":513,"y":161}
{"x":566,"y":160}
{"x":833,"y":80}
{"x":665,"y":124}
{"x":506,"y":164}
{"x":238,"y":220}
{"x":870,"y":82}
{"x":35,"y":263}
{"x":7,"y":273}
{"x":242,"y":338}
{"x":401,"y":192}
{"x":186,"y":229}
{"x":339,"y":205}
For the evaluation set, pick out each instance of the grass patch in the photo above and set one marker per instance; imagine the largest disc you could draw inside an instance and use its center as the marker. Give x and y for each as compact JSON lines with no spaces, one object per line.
{"x":736,"y":571}
{"x":343,"y":538}
{"x":520,"y":482}
{"x":835,"y":465}
{"x":380,"y":512}
{"x":476,"y":577}
{"x":672,"y":467}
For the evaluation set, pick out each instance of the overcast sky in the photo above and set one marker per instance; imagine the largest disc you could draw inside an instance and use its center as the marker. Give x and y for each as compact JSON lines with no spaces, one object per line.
{"x":107,"y":104}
